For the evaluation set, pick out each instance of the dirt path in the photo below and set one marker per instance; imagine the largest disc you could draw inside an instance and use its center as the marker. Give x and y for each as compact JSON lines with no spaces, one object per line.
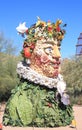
{"x":77,"y":114}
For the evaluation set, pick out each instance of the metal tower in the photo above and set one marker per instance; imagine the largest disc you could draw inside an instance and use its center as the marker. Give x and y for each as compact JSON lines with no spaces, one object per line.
{"x":79,"y":45}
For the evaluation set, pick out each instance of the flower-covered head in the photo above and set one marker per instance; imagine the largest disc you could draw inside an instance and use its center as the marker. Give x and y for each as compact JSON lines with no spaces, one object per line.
{"x":41,"y":47}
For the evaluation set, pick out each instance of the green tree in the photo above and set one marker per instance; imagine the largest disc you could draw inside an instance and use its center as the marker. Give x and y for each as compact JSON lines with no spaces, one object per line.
{"x":72,"y":71}
{"x":6,"y":45}
{"x":8,"y":75}
{"x":8,"y":63}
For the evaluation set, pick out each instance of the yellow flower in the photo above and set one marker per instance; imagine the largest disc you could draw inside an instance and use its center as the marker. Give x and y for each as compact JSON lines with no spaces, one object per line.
{"x":73,"y":124}
{"x":50,"y":34}
{"x":58,"y":22}
{"x":48,"y":23}
{"x":40,"y":22}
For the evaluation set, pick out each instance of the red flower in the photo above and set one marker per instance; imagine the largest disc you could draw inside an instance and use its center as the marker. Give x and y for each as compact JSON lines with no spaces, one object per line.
{"x":58,"y":29}
{"x":27,"y":53}
{"x":49,"y":28}
{"x":1,"y":126}
{"x":49,"y":104}
{"x":26,"y":31}
{"x":32,"y":46}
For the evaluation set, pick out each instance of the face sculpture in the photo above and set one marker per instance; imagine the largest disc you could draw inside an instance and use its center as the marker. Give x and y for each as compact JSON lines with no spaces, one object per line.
{"x":45,"y":59}
{"x":41,"y":46}
{"x":41,"y":53}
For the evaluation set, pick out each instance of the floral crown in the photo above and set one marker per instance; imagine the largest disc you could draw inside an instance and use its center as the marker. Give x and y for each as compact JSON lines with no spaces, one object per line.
{"x":44,"y":31}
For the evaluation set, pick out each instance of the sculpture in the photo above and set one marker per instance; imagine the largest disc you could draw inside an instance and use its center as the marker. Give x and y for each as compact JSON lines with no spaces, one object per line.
{"x":40,"y":99}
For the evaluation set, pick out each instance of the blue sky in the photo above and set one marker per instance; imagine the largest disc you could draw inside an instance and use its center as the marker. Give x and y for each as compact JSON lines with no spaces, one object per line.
{"x":12,"y":12}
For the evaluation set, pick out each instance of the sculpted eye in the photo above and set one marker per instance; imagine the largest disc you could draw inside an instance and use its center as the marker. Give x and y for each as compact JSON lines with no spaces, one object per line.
{"x":48,"y":50}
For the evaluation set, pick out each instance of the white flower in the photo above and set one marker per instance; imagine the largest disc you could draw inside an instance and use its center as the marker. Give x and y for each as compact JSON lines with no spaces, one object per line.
{"x":65,"y":99}
{"x":21,"y":28}
{"x":60,"y":77}
{"x":28,"y":61}
{"x":45,"y":35}
{"x":37,"y":30}
{"x":40,"y":34}
{"x":61,"y":86}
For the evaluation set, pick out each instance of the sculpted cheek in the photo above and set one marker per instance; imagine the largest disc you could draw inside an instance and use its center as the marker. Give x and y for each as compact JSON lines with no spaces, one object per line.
{"x":44,"y":58}
{"x":38,"y":61}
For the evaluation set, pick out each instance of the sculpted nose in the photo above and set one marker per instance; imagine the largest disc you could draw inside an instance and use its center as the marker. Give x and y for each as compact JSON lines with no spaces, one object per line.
{"x":56,"y":52}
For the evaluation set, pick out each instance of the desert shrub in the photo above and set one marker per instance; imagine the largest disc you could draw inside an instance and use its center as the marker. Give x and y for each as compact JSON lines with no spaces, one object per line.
{"x":8,"y":75}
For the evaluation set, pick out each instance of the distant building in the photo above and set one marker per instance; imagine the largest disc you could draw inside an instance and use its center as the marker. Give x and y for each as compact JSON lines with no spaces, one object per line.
{"x":79,"y":45}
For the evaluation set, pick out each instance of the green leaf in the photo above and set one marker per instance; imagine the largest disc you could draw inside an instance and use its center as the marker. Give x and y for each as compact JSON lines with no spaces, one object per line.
{"x":24,"y":109}
{"x":13,"y":106}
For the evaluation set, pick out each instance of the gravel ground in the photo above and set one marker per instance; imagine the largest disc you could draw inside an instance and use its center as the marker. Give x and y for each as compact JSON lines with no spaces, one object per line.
{"x":77,"y":114}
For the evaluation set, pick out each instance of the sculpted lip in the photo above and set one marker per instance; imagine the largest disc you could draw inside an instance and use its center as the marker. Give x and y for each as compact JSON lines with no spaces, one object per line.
{"x":56,"y":73}
{"x":56,"y":67}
